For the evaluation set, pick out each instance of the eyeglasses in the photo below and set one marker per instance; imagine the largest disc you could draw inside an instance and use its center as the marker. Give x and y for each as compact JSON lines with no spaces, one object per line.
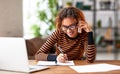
{"x":71,"y":27}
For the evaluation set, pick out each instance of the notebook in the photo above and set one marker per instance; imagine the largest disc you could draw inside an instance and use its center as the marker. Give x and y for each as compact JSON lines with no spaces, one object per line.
{"x":50,"y":63}
{"x":13,"y":55}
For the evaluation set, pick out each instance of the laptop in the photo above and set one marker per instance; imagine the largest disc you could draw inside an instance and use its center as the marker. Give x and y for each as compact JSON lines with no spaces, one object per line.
{"x":13,"y":55}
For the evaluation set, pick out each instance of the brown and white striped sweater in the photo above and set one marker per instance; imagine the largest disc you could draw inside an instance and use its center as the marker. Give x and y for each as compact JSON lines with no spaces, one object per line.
{"x":73,"y":47}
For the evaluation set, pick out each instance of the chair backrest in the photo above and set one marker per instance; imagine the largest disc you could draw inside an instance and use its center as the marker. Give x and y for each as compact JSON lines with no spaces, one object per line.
{"x":33,"y":45}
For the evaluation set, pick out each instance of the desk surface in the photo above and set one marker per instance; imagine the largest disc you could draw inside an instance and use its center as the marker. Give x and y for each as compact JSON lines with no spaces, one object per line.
{"x":67,"y":70}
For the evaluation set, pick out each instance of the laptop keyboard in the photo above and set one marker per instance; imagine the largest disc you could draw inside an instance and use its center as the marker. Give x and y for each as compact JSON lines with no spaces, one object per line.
{"x":37,"y":67}
{"x":32,"y":67}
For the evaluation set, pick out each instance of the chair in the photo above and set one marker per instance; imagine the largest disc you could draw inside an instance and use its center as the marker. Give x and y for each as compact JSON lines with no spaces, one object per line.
{"x":33,"y":46}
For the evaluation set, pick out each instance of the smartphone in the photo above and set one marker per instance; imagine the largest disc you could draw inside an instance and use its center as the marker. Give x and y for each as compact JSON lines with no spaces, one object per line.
{"x":79,"y":30}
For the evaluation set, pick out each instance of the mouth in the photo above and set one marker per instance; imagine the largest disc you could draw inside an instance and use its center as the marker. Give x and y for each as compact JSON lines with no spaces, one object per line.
{"x":70,"y":33}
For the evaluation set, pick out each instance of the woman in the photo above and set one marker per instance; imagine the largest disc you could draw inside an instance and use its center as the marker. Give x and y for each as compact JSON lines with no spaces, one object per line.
{"x":73,"y":38}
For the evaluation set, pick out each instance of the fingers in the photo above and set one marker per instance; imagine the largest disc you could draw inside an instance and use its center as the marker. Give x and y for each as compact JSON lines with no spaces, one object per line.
{"x":84,"y":25}
{"x":62,"y":58}
{"x":65,"y":56}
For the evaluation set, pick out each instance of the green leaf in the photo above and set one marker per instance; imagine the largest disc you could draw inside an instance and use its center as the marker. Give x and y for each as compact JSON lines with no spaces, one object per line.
{"x":42,"y":15}
{"x":35,"y":30}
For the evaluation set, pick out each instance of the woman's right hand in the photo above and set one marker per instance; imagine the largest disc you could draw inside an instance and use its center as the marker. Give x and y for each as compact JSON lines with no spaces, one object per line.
{"x":62,"y":58}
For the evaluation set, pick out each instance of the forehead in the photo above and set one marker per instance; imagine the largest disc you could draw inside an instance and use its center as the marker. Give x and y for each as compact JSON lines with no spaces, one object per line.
{"x":68,"y":21}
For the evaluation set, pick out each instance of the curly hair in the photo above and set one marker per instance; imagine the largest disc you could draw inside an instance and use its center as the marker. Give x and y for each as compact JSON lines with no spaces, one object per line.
{"x":68,"y":12}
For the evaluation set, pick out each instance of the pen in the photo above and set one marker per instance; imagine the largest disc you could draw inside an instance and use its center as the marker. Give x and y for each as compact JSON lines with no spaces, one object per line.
{"x":60,"y":50}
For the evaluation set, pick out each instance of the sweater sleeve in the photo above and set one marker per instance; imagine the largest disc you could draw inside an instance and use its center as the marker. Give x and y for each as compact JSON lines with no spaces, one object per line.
{"x":42,"y":53}
{"x":90,"y":38}
{"x":90,"y":48}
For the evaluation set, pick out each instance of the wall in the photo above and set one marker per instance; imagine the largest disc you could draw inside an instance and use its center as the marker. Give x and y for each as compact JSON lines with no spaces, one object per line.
{"x":11,"y":18}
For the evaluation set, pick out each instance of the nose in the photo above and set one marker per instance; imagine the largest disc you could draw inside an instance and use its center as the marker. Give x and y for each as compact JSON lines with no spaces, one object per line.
{"x":69,"y":30}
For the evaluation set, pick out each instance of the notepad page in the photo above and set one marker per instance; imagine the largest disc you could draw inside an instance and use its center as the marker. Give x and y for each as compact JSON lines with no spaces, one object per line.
{"x":70,"y":63}
{"x":46,"y":63}
{"x":95,"y":68}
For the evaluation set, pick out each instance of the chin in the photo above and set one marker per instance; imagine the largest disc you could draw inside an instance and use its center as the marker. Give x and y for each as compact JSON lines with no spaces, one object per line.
{"x":72,"y":36}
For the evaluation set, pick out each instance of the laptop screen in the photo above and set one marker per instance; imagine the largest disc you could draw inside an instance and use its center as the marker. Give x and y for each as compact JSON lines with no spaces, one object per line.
{"x":13,"y":54}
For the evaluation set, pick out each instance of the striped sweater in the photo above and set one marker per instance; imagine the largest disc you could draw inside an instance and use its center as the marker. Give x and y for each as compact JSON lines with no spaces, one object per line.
{"x":73,"y":47}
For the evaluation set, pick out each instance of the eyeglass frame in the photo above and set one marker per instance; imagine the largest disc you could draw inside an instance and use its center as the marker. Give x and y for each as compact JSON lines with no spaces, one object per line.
{"x":71,"y":27}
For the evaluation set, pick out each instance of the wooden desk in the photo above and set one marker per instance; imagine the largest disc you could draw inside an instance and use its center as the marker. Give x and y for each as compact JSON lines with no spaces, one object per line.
{"x":67,"y":70}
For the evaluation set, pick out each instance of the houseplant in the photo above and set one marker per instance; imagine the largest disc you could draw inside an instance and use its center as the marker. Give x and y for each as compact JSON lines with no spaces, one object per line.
{"x":45,"y":15}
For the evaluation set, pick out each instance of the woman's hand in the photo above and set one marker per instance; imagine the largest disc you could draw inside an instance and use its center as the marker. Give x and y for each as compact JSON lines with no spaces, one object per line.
{"x":62,"y":58}
{"x":84,"y":25}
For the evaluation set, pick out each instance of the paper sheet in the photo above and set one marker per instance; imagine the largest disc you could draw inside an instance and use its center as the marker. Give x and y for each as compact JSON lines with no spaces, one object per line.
{"x":95,"y":68}
{"x":70,"y":63}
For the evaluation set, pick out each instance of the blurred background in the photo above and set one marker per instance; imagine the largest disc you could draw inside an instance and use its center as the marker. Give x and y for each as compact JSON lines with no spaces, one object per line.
{"x":34,"y":20}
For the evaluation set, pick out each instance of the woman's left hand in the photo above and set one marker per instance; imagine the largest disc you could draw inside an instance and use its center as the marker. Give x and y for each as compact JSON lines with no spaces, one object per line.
{"x":84,"y":25}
